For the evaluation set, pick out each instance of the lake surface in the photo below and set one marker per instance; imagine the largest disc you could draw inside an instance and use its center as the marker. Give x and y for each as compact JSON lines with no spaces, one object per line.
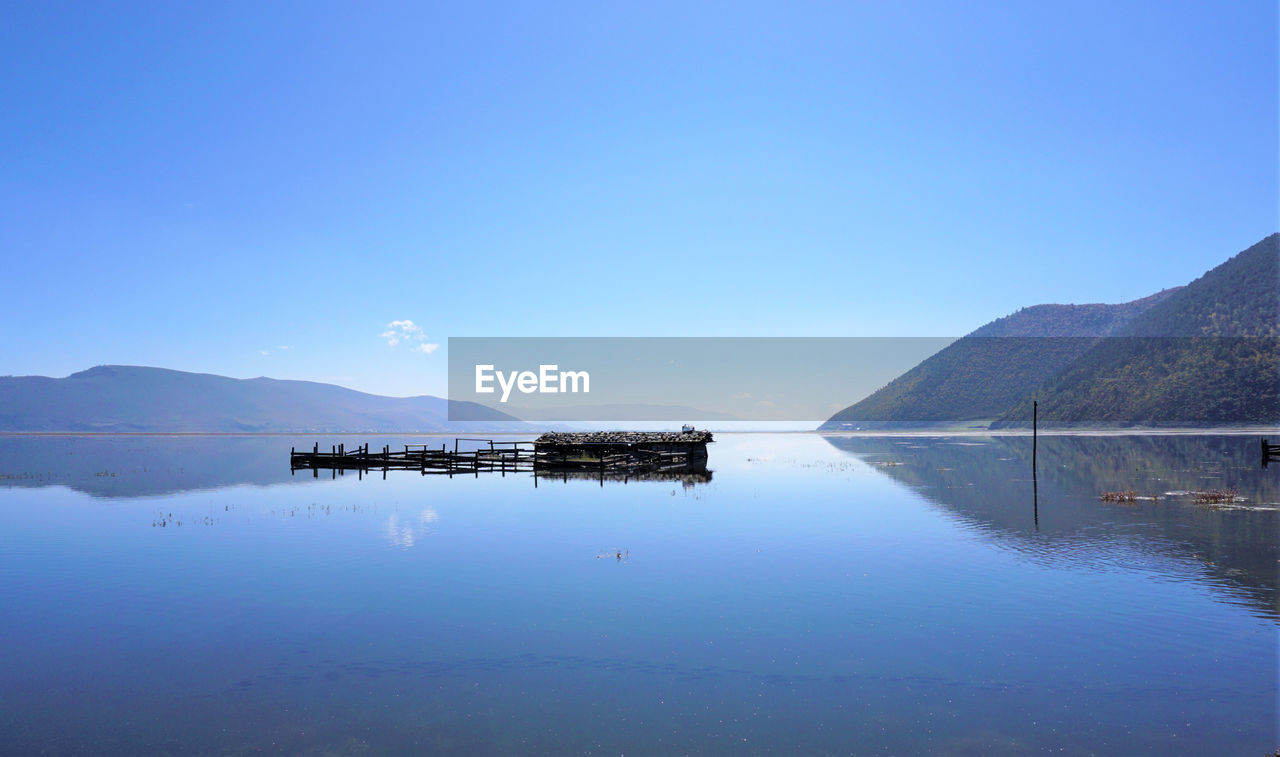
{"x":818,"y":595}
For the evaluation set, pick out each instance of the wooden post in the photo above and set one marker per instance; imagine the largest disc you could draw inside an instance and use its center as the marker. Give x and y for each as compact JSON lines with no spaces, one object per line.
{"x":1035,"y":481}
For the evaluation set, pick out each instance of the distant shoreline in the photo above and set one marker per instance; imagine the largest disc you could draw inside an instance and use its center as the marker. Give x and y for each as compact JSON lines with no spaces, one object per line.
{"x":1180,"y":431}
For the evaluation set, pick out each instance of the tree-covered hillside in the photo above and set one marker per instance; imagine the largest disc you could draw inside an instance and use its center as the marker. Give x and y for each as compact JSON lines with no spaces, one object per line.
{"x":980,"y":376}
{"x":1204,"y":354}
{"x":1207,"y":355}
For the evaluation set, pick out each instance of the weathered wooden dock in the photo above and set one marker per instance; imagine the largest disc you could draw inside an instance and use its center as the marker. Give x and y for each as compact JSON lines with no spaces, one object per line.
{"x":612,"y":455}
{"x":689,"y":446}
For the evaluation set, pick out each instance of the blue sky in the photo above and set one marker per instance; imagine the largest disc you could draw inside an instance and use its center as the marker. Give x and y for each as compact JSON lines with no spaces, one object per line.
{"x":194,"y":185}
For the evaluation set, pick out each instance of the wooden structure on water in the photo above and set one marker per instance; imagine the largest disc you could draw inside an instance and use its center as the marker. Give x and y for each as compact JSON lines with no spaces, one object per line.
{"x":620,"y":455}
{"x":686,"y":446}
{"x":1270,"y":453}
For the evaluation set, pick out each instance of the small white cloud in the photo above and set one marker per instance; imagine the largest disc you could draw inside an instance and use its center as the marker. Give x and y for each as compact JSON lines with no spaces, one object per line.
{"x":410,"y":333}
{"x":742,"y":396}
{"x":398,"y":331}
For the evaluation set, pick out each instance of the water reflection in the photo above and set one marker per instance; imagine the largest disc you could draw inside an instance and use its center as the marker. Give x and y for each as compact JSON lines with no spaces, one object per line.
{"x":687,"y":479}
{"x":889,"y":593}
{"x":406,"y":532}
{"x":142,"y":466}
{"x":111,"y":466}
{"x":987,"y":482}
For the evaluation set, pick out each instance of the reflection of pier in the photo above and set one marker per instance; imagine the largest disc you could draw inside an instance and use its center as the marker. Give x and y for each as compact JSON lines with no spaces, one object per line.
{"x":622,"y":456}
{"x":686,"y":478}
{"x":1270,"y":453}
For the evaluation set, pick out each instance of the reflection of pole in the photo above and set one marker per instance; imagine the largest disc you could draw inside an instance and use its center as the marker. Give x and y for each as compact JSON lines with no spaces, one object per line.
{"x":1035,"y":483}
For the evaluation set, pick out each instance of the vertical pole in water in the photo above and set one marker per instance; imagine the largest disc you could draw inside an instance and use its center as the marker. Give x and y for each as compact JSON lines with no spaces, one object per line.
{"x":1035,"y":482}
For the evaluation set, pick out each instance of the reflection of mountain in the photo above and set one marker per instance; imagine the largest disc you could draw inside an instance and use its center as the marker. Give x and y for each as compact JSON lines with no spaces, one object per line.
{"x":141,"y":466}
{"x":123,"y":398}
{"x":987,"y":482}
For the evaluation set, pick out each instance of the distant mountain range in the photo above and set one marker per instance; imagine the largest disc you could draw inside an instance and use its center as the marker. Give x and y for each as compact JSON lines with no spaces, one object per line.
{"x":1207,"y":353}
{"x":620,"y":413}
{"x":1204,"y":354}
{"x":123,"y":398}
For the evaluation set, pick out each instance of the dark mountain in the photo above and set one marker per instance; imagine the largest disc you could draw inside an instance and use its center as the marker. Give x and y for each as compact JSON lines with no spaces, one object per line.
{"x":1072,"y":321}
{"x":1203,"y":354}
{"x":1240,"y":298}
{"x":980,"y":376}
{"x":1208,"y":354}
{"x":120,"y":398}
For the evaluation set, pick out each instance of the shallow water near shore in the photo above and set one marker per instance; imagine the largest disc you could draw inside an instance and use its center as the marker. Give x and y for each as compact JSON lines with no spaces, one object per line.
{"x":817,"y":595}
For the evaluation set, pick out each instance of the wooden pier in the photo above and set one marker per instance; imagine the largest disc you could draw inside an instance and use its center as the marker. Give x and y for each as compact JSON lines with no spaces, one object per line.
{"x":688,"y":446}
{"x":613,"y":455}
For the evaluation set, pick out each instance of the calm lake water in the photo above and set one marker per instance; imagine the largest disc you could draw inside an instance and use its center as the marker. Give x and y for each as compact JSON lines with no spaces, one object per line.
{"x":817,"y":595}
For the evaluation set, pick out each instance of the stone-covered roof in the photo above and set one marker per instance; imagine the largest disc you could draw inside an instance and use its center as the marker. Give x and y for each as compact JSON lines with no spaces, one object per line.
{"x":625,"y":437}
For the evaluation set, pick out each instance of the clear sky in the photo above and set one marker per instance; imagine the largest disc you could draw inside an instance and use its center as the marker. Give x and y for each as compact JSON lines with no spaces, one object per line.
{"x":202,"y":185}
